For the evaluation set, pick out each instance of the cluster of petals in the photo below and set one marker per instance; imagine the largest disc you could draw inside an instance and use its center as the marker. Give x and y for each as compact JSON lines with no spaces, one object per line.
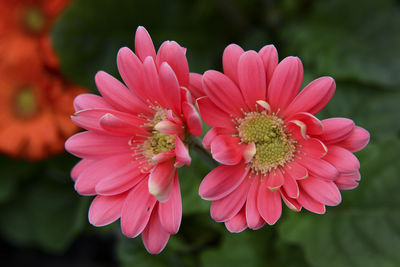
{"x":130,"y":180}
{"x":323,"y":162}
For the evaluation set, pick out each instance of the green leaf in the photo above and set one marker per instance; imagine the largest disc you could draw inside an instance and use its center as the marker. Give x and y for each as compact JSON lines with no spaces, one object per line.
{"x":349,"y":40}
{"x":245,"y":249}
{"x":45,"y":213}
{"x":365,"y":229}
{"x":57,"y":214}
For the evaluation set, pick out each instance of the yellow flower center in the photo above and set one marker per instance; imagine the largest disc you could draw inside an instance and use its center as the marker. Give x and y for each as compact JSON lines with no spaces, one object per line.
{"x":25,"y":103}
{"x":274,"y":147}
{"x":159,"y":142}
{"x":34,"y":20}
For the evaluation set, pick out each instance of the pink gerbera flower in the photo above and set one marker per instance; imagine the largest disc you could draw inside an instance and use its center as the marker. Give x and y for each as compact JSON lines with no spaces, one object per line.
{"x":270,"y":144}
{"x":136,"y":140}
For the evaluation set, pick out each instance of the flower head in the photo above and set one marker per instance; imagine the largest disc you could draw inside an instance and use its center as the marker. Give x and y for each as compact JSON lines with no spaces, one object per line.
{"x":270,"y":144}
{"x":35,"y":106}
{"x":136,"y":139}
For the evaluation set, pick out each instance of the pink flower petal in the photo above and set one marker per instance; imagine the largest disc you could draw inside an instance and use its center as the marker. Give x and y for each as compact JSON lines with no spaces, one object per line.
{"x":285,"y":83}
{"x":314,"y":125}
{"x":318,"y":167}
{"x":117,"y":126}
{"x":291,"y":203}
{"x":223,"y":92}
{"x":170,"y":88}
{"x":253,"y":217}
{"x":260,"y":224}
{"x":252,"y":79}
{"x":264,"y":105}
{"x":356,"y":140}
{"x":169,"y":127}
{"x":269,"y":56}
{"x":297,"y":129}
{"x":90,"y":119}
{"x":143,"y":44}
{"x":238,"y":223}
{"x":161,"y":180}
{"x":312,"y":98}
{"x":310,"y":203}
{"x":230,"y":60}
{"x":195,"y":85}
{"x":269,"y":203}
{"x":249,"y":152}
{"x":182,"y":152}
{"x":117,"y":95}
{"x":322,"y":191}
{"x":151,"y":81}
{"x":170,"y":212}
{"x":80,"y":167}
{"x":154,"y":236}
{"x":174,"y":118}
{"x":137,"y":209}
{"x":161,"y":157}
{"x":174,"y":55}
{"x":131,"y":69}
{"x":336,"y":130}
{"x":222,"y":180}
{"x":227,"y":150}
{"x":95,"y":172}
{"x":86,"y":101}
{"x":342,"y":159}
{"x":347,"y":181}
{"x":209,"y":137}
{"x":94,"y":145}
{"x":105,"y":210}
{"x":312,"y":147}
{"x":192,"y":119}
{"x":295,"y":170}
{"x":290,"y":186}
{"x":214,"y":132}
{"x":186,"y":96}
{"x":213,"y":115}
{"x":274,"y":179}
{"x":227,"y":207}
{"x":120,"y":180}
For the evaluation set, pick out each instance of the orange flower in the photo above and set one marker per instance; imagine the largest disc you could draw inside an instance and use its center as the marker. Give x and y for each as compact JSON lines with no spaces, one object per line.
{"x":34,"y":112}
{"x":35,"y":100}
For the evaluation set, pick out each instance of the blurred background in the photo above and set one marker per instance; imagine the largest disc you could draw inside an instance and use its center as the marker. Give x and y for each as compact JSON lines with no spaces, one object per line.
{"x":50,"y":51}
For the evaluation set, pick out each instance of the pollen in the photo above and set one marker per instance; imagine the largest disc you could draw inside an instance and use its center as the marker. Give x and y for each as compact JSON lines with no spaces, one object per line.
{"x":274,"y":146}
{"x":34,"y":20}
{"x":25,"y":103}
{"x":158,"y":143}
